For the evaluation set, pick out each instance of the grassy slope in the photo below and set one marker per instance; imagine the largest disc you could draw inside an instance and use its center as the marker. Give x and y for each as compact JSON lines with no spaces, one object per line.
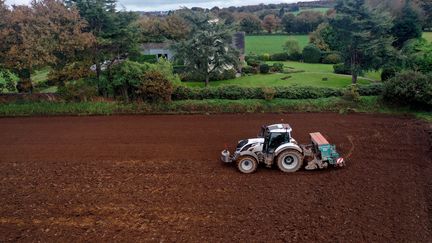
{"x":271,"y":43}
{"x":335,"y":104}
{"x":313,"y":75}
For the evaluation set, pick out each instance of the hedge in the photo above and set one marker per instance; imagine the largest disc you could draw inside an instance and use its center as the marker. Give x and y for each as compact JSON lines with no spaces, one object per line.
{"x":237,"y":92}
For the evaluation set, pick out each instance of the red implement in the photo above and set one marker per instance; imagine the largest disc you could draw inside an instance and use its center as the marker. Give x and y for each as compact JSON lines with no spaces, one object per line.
{"x":318,"y":138}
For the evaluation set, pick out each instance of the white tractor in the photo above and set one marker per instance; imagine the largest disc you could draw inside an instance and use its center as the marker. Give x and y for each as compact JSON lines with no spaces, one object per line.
{"x":276,"y":145}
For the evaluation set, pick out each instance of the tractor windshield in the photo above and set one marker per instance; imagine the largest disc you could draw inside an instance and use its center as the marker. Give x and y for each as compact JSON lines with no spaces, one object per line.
{"x":276,"y":139}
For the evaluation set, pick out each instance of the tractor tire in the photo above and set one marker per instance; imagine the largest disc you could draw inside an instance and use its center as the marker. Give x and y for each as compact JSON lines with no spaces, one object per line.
{"x":247,"y":164}
{"x":289,"y":161}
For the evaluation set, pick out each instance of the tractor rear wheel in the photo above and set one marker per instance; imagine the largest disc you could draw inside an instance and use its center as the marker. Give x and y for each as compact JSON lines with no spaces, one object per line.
{"x":290,"y":161}
{"x":247,"y":164}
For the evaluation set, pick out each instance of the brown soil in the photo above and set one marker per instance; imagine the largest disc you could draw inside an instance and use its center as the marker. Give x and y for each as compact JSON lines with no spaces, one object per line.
{"x":159,"y":178}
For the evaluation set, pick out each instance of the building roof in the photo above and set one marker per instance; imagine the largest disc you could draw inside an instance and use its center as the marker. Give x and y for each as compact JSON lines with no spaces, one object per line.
{"x":156,"y":45}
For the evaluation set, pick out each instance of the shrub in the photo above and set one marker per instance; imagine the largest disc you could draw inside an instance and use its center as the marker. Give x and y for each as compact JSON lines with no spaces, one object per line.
{"x":179,"y":69}
{"x":292,"y":47}
{"x":277,"y":67}
{"x":143,"y":58}
{"x":295,"y":57}
{"x":341,"y":68}
{"x":269,"y":93}
{"x":279,"y":57}
{"x":253,"y":62}
{"x":371,"y":89}
{"x":248,"y":70}
{"x":265,"y":57}
{"x":332,"y":58}
{"x":351,"y":93}
{"x":387,"y":73}
{"x":311,"y":54}
{"x":409,"y":88}
{"x":264,"y":68}
{"x":78,"y":90}
{"x":236,"y":92}
{"x":155,"y":87}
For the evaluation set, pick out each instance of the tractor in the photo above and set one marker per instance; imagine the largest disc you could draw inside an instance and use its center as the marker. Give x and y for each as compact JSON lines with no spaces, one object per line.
{"x":275,"y":145}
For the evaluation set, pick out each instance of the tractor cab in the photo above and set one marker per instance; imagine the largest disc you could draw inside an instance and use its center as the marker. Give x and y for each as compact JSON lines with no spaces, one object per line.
{"x":274,"y":136}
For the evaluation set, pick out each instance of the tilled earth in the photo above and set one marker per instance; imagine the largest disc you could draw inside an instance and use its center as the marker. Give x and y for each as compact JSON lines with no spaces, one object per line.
{"x":159,"y":178}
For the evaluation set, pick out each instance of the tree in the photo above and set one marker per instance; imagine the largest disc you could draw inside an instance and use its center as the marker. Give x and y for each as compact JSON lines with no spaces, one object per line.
{"x":288,"y":22}
{"x":426,"y":5}
{"x":66,"y":31}
{"x":363,"y":36}
{"x":270,"y":23}
{"x":292,"y":47}
{"x":308,"y":21}
{"x":115,"y":31}
{"x":208,"y":50}
{"x":324,"y":37}
{"x":41,"y":34}
{"x":311,"y":54}
{"x":407,"y":26}
{"x":250,"y":24}
{"x":174,"y":27}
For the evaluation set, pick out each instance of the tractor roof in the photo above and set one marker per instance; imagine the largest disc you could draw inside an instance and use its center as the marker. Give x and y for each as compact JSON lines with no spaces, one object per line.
{"x":279,"y":128}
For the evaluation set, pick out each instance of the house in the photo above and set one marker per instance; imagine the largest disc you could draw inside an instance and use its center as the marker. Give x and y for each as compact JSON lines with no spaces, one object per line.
{"x":163,"y":49}
{"x":158,"y":49}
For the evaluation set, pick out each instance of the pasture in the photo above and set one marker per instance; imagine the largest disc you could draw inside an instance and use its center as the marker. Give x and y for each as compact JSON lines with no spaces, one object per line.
{"x":260,"y":44}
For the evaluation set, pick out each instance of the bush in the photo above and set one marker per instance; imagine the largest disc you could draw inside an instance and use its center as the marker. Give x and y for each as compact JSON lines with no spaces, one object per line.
{"x":179,"y":69}
{"x":311,"y":54}
{"x":371,"y":89}
{"x":155,"y":87}
{"x":265,"y":57}
{"x":253,"y":62}
{"x":292,"y":47}
{"x":143,"y":58}
{"x":351,"y":93}
{"x":277,"y":67}
{"x":387,"y":73}
{"x":264,"y":68}
{"x":236,"y":92}
{"x":341,"y":68}
{"x":78,"y":90}
{"x":279,"y":57}
{"x":409,"y":88}
{"x":248,"y":70}
{"x":332,"y":58}
{"x":269,"y":93}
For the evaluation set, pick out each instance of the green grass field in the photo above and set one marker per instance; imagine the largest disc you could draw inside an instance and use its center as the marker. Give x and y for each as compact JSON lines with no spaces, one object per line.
{"x":312,"y":76}
{"x":278,"y":79}
{"x":322,"y":10}
{"x":260,"y":44}
{"x":427,"y":36}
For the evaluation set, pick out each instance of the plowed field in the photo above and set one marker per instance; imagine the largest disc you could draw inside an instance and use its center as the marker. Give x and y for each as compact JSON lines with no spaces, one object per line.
{"x":159,"y":178}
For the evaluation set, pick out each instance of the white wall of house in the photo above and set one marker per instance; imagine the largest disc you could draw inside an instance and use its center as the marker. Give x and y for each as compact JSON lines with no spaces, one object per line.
{"x":159,"y":52}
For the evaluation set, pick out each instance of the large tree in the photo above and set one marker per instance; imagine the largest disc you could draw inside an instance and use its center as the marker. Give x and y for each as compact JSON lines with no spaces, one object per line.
{"x":208,"y":50}
{"x":116,"y":33}
{"x":250,"y":24}
{"x":363,"y":35}
{"x":39,"y":35}
{"x":270,"y":23}
{"x":407,"y":25}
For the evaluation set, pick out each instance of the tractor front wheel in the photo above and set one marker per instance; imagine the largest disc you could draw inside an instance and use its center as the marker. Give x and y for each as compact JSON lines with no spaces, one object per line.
{"x":290,"y":161}
{"x":247,"y":164}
